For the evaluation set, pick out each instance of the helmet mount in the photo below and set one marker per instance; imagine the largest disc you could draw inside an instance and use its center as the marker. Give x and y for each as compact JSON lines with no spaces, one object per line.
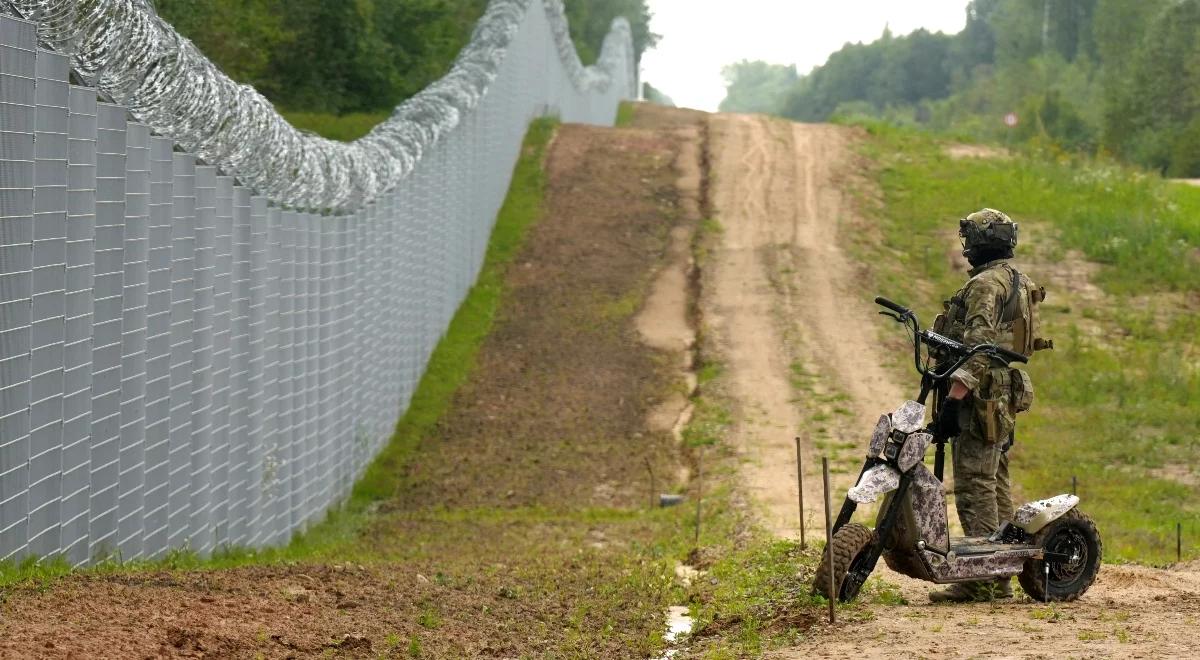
{"x":987,"y":232}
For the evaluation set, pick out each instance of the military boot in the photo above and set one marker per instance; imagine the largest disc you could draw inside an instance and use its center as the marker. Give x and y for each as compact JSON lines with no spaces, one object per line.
{"x":961,"y":592}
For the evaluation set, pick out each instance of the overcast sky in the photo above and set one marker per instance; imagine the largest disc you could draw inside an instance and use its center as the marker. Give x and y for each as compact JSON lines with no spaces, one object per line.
{"x":701,"y":36}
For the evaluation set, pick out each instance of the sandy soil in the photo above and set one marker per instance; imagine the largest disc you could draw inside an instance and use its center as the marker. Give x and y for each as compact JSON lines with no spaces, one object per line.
{"x":783,"y":290}
{"x":1131,"y":612}
{"x":663,"y":322}
{"x":784,"y":293}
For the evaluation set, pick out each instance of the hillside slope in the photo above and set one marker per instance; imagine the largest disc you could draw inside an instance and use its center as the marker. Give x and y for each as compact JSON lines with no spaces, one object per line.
{"x":789,"y":302}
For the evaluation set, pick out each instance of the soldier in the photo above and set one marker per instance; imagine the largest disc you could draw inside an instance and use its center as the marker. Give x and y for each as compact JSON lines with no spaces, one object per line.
{"x":996,"y":306}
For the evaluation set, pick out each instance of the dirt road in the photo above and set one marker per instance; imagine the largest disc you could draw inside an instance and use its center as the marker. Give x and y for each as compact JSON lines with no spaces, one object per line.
{"x":794,"y":327}
{"x":784,"y":306}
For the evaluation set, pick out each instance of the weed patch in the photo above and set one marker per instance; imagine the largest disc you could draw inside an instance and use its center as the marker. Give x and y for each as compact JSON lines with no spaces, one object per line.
{"x":625,"y":114}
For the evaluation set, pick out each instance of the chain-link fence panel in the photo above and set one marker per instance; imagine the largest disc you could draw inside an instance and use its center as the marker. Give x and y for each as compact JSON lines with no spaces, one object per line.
{"x":210,"y":322}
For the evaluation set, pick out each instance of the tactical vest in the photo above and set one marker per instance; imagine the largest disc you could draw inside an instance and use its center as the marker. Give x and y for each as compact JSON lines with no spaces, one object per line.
{"x":1019,"y":325}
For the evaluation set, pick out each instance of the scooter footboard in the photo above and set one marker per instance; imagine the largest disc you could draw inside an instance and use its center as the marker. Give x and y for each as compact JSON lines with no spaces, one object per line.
{"x":1001,"y":564}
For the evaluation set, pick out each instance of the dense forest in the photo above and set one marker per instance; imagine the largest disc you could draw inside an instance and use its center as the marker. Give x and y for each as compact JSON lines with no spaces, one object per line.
{"x":1112,"y":76}
{"x":338,"y":56}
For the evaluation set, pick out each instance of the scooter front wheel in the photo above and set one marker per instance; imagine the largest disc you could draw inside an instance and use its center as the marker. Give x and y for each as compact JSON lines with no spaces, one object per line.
{"x":1074,"y":538}
{"x":850,"y":542}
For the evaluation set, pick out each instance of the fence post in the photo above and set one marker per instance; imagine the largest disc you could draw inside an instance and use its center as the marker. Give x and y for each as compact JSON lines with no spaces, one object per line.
{"x":800,"y":489}
{"x":829,"y":541}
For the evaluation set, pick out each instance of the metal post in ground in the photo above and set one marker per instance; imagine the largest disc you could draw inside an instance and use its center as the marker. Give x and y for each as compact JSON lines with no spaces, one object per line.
{"x":800,"y":488}
{"x":1178,"y":543}
{"x":1074,"y":485}
{"x":829,"y":541}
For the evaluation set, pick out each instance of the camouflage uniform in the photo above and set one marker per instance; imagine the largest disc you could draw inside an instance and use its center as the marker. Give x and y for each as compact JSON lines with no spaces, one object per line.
{"x":977,"y":315}
{"x":996,"y":306}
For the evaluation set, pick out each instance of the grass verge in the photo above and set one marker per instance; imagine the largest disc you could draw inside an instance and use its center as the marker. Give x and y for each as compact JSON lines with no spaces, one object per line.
{"x":1115,"y":400}
{"x":345,"y":128}
{"x":625,"y":113}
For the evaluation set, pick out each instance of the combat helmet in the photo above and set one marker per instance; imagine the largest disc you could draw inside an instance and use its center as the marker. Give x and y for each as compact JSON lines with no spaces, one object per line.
{"x":987,"y":231}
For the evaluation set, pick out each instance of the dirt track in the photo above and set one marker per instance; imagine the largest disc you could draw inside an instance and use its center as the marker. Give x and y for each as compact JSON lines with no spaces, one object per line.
{"x":782,"y":289}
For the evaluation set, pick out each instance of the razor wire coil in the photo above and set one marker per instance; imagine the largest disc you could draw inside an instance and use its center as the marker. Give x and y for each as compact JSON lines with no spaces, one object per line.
{"x":124,"y":49}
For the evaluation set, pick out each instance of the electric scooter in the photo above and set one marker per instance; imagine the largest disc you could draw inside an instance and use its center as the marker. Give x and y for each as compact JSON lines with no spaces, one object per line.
{"x":1053,"y":548}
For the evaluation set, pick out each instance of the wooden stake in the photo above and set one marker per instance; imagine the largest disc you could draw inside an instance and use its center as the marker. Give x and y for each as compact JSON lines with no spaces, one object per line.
{"x":800,"y":488}
{"x":1074,"y":485}
{"x":653,"y":486}
{"x":1178,"y":542}
{"x":699,"y":490}
{"x":829,"y":541}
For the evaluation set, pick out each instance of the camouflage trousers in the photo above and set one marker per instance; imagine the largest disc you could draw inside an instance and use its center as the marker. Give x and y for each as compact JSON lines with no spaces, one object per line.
{"x":982,"y":489}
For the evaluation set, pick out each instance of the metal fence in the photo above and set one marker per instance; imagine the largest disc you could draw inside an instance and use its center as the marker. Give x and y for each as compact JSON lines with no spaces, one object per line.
{"x":187,"y":361}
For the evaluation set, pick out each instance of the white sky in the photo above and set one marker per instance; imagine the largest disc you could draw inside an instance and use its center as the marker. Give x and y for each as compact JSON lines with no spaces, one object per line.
{"x":701,"y":36}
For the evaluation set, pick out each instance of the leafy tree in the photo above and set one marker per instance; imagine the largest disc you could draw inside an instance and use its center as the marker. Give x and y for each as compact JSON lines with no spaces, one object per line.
{"x":591,"y":21}
{"x":975,"y":46}
{"x":242,"y":42}
{"x":1185,"y":153}
{"x":757,"y":86}
{"x":347,"y":56}
{"x":1083,"y":74}
{"x":655,"y":95}
{"x":889,"y":72}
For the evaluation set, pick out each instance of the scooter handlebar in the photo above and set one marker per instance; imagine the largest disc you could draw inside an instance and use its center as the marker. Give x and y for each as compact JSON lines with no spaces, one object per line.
{"x":1011,"y":356}
{"x":895,"y":307}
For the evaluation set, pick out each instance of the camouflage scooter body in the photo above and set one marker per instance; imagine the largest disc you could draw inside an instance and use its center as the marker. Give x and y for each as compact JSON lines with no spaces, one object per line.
{"x":1052,"y":547}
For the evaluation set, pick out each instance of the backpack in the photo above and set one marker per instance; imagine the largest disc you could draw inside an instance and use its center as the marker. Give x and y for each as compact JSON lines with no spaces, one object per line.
{"x":1022,"y":312}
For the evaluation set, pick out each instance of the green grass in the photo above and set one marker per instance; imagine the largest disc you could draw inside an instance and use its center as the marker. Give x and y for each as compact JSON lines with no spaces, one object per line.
{"x":709,"y":424}
{"x":1116,"y":400}
{"x":1148,"y":229}
{"x":752,"y":592}
{"x":449,"y":367}
{"x":345,"y":128}
{"x":625,"y":113}
{"x":453,"y":359}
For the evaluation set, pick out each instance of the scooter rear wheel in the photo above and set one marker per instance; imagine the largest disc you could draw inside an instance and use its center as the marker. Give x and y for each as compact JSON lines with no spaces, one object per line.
{"x":848,"y":544}
{"x":1075,"y":536}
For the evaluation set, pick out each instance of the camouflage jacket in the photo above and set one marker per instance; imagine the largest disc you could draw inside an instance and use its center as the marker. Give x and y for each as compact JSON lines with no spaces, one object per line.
{"x":976,"y":315}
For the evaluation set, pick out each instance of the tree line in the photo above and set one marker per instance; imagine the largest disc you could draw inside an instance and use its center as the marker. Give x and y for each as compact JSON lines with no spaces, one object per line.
{"x":346,"y":56}
{"x":1112,"y":76}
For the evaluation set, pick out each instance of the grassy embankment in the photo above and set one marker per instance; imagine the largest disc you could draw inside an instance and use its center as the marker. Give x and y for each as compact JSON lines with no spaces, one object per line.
{"x":1117,"y":249}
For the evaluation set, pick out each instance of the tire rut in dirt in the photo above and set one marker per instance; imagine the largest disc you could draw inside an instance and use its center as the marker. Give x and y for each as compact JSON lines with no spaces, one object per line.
{"x":849,"y":541}
{"x":1081,"y":531}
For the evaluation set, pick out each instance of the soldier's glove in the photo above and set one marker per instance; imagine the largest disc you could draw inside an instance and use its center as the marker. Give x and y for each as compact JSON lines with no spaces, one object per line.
{"x":947,"y":421}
